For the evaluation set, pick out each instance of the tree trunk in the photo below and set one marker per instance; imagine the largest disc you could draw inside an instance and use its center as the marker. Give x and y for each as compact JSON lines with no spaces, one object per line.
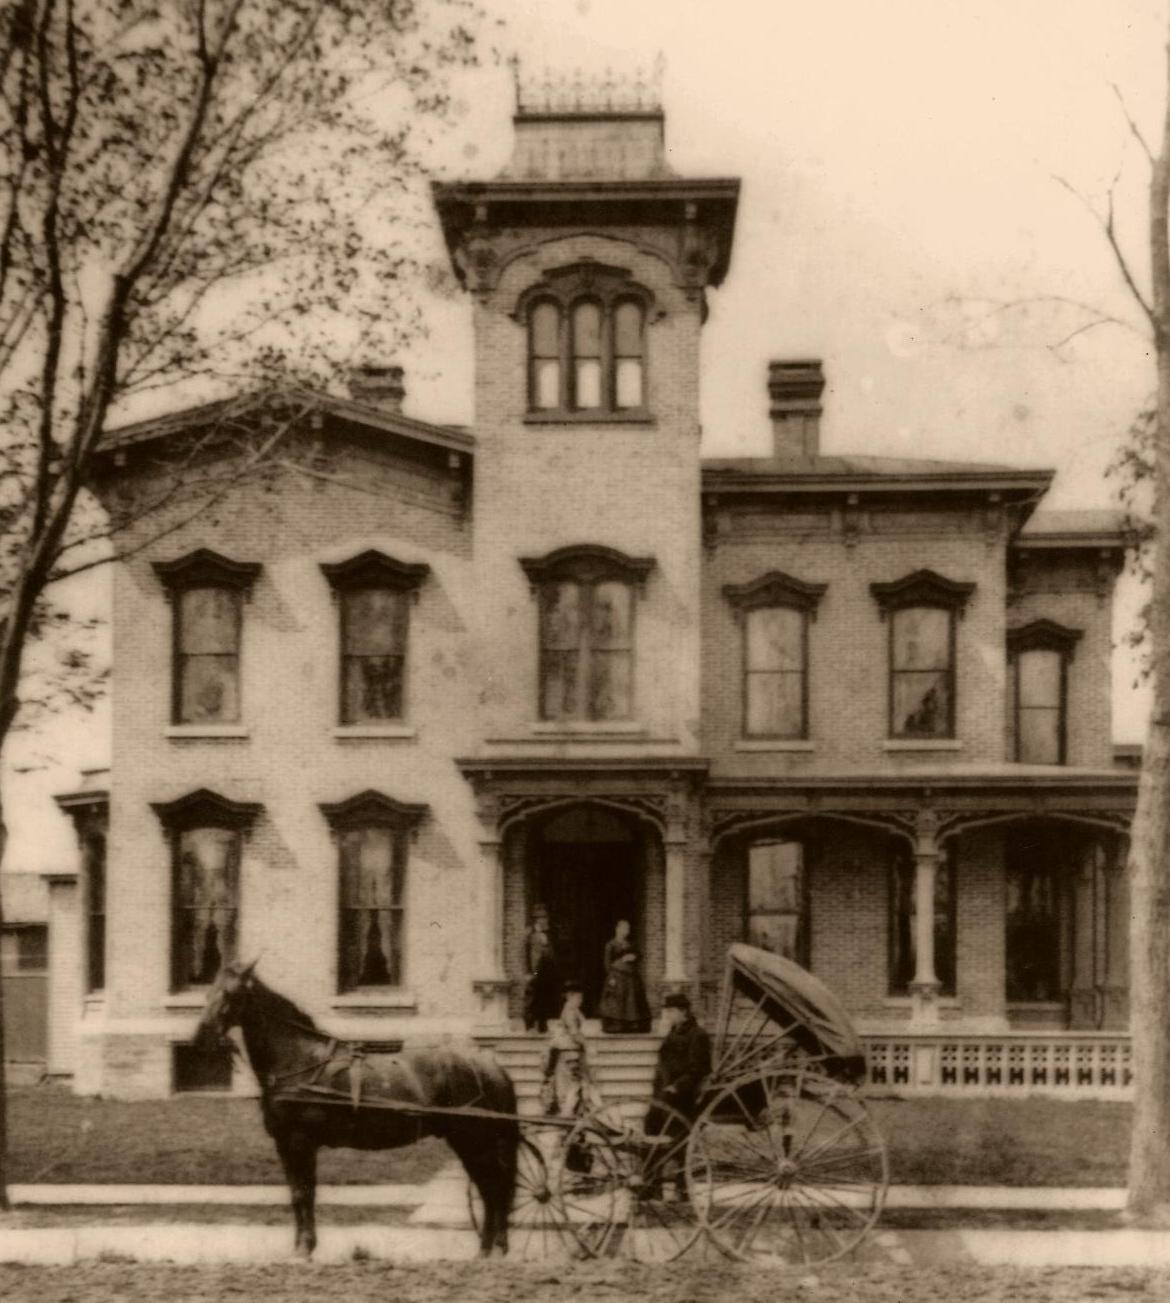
{"x":1148,"y":1198}
{"x":1149,"y":868}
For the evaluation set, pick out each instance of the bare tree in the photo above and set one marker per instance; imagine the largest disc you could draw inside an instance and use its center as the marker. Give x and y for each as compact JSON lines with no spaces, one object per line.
{"x":1144,"y":467}
{"x":197,"y":197}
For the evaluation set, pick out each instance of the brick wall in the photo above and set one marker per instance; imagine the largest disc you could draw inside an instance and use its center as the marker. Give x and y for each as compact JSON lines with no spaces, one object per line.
{"x":849,"y":643}
{"x":291,"y":758}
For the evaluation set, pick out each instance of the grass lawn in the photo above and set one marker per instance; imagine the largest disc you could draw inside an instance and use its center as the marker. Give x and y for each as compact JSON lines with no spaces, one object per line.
{"x":1005,"y":1141}
{"x":57,"y":1137}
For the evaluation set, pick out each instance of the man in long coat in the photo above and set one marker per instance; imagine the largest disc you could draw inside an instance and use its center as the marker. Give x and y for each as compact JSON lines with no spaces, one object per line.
{"x":684,"y":1062}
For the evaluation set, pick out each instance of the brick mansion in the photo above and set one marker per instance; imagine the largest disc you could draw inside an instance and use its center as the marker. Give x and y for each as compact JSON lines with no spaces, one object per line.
{"x":853,"y":709}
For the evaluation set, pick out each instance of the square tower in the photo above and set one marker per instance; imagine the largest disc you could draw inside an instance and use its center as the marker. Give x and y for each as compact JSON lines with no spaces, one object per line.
{"x":588,"y":260}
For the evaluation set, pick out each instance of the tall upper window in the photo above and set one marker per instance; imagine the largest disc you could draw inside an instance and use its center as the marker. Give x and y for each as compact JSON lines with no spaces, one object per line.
{"x":586,"y":638}
{"x":207,"y":592}
{"x":903,"y":904}
{"x":373,"y":835}
{"x":922,"y":610}
{"x":775,"y":611}
{"x":777,"y":899}
{"x":586,"y":341}
{"x":206,"y":833}
{"x":374,"y":593}
{"x":1041,"y":652}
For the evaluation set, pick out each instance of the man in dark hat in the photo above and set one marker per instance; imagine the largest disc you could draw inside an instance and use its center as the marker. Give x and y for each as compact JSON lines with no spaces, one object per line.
{"x":684,"y":1061}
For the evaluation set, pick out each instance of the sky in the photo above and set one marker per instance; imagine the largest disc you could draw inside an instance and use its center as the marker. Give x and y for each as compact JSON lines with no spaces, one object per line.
{"x":906,"y":166}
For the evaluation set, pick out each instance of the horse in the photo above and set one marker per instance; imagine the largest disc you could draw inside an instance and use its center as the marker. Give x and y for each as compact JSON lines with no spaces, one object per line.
{"x":316,"y":1090}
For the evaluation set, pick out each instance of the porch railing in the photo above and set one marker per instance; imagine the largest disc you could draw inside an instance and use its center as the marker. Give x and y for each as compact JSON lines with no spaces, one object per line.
{"x":1095,"y":1065}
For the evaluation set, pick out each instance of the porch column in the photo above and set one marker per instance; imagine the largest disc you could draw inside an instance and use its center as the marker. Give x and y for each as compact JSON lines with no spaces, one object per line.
{"x":491,"y":983}
{"x":1083,"y":1011}
{"x":1116,"y":993}
{"x":675,"y":911}
{"x":924,"y":988}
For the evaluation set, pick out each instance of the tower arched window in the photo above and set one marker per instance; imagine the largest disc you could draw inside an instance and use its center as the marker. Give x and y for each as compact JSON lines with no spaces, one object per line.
{"x":586,"y":344}
{"x":544,"y":354}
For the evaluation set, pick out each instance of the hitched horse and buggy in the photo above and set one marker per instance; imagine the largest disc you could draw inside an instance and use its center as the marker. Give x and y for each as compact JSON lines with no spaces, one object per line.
{"x":781,"y":1161}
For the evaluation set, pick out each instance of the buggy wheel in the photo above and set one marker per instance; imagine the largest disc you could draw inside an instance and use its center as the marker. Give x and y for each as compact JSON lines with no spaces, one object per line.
{"x":537,"y":1228}
{"x":788,"y":1168}
{"x":623,"y":1188}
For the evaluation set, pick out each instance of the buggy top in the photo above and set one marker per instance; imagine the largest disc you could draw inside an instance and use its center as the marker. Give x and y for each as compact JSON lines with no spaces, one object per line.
{"x":772,"y":1008}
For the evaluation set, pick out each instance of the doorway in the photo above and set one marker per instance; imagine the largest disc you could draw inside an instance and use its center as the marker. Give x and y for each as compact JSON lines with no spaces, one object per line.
{"x":586,"y":869}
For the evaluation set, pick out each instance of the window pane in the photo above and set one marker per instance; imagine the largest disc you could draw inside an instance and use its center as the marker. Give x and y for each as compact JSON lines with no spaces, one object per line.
{"x":610,"y":610}
{"x":775,"y":704}
{"x":1032,"y":933}
{"x":561,"y":617}
{"x":546,"y":383}
{"x":609,"y":690}
{"x":587,"y":330}
{"x":627,"y":330}
{"x":558,"y":685}
{"x":206,"y":897}
{"x":774,"y":872}
{"x":776,"y":903}
{"x":587,"y":383}
{"x":628,"y":382}
{"x":1040,"y":673}
{"x":775,"y":639}
{"x":546,"y":321}
{"x":372,"y":688}
{"x":922,"y":639}
{"x":366,"y":857}
{"x":209,"y":620}
{"x":209,"y":690}
{"x":373,"y":865}
{"x":921,"y":707}
{"x":375,"y":621}
{"x":1039,"y":736}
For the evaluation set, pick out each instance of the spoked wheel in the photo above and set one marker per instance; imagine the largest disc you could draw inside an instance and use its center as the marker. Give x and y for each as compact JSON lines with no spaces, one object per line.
{"x":787,"y":1167}
{"x":537,"y":1228}
{"x":623,"y":1186}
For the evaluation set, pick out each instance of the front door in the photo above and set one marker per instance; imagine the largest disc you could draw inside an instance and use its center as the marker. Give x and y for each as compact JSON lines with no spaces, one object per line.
{"x":587,"y":883}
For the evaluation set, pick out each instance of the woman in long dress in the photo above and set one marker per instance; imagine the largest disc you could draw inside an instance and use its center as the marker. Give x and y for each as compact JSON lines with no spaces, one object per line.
{"x":623,"y":999}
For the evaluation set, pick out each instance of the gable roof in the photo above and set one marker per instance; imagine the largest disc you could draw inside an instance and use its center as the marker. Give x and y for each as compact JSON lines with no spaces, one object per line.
{"x":366,"y":416}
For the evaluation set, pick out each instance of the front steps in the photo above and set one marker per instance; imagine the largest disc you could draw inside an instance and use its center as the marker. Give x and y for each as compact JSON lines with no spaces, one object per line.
{"x":622,"y":1067}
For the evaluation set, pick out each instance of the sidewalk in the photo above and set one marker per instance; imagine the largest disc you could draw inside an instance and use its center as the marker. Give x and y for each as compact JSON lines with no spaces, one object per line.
{"x":269,"y":1244}
{"x":450,"y":1185}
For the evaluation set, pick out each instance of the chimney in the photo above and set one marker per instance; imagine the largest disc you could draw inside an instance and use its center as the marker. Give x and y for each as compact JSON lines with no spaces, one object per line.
{"x":795,"y":390}
{"x":381,"y":386}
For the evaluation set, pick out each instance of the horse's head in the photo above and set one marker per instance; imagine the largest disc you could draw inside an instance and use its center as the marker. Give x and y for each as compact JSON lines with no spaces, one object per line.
{"x":224,"y":1007}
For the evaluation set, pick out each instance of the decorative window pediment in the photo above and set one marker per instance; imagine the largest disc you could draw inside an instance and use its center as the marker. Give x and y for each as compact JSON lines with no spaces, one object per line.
{"x":206,"y":569}
{"x":1043,"y":635}
{"x":206,"y":809}
{"x":588,"y":279}
{"x":922,"y":588}
{"x":373,"y":569}
{"x":775,"y":589}
{"x":587,"y":562}
{"x":371,"y":809}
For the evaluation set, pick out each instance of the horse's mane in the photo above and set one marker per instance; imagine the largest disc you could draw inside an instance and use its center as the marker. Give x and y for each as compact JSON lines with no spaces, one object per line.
{"x":281,"y":1006}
